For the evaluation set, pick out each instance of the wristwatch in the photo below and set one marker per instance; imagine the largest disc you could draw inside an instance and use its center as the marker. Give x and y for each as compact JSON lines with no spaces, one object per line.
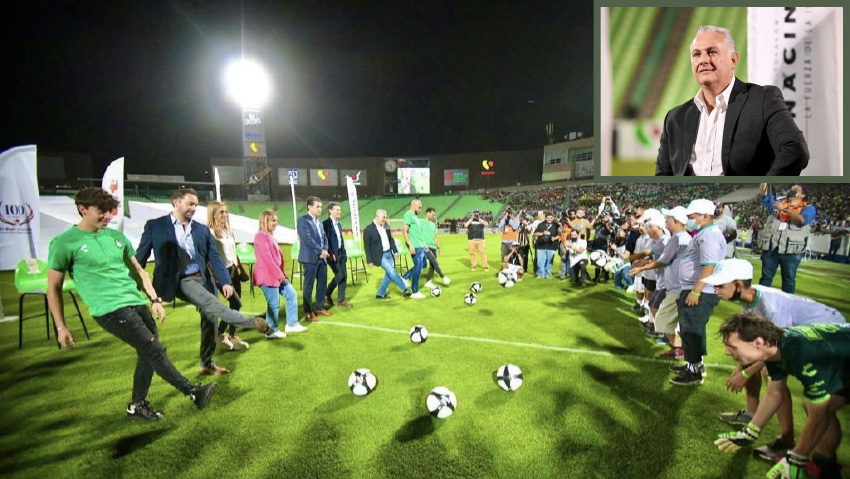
{"x":156,"y":300}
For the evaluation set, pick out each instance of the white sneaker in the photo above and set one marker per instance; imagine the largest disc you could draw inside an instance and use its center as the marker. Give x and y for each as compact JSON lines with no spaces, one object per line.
{"x":645,"y":318}
{"x":430,"y":285}
{"x":418,"y":295}
{"x":446,"y":280}
{"x":275,"y":335}
{"x":295,"y":329}
{"x":237,"y":341}
{"x":225,"y":341}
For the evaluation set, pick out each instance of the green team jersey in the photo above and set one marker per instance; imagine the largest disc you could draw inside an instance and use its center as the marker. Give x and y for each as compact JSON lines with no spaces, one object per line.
{"x":415,"y":231}
{"x":429,"y":233}
{"x":816,"y":354}
{"x":99,"y":265}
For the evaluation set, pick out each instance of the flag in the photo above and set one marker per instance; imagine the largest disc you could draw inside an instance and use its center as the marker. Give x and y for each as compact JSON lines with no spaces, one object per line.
{"x":799,"y":50}
{"x":607,"y":113}
{"x":352,"y":205}
{"x":292,"y":180}
{"x":113,"y":183}
{"x":19,"y":209}
{"x":217,"y":184}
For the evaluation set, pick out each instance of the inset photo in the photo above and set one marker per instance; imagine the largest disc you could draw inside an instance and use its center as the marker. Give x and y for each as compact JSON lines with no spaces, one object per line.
{"x":721,"y":91}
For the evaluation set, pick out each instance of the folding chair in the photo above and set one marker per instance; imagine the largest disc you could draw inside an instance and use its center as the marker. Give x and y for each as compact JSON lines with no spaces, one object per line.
{"x":245,"y":253}
{"x":352,"y":249}
{"x":293,"y":260}
{"x":403,"y":253}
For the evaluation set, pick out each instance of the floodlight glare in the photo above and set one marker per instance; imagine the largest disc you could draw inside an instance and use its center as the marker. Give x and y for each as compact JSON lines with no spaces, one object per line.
{"x":247,"y":83}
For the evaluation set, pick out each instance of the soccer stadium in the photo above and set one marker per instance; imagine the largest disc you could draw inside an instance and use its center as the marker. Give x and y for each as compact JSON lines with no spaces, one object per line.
{"x":596,"y":398}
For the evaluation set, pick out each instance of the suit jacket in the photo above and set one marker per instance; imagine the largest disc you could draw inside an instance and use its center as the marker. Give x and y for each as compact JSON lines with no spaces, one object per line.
{"x":335,"y":248}
{"x":311,"y":244}
{"x":760,"y":137}
{"x":269,"y":267}
{"x":372,"y":244}
{"x":159,"y":237}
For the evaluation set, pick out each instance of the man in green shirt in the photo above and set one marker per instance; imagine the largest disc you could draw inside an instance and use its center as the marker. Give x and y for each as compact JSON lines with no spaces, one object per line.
{"x":101,"y":260}
{"x":816,"y":354}
{"x":413,"y":237}
{"x":429,"y":235}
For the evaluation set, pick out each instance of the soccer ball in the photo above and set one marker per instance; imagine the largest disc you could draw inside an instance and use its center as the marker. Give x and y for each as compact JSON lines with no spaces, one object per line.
{"x":613,"y":265}
{"x":436,"y":291}
{"x":441,"y":402}
{"x":475,"y":287}
{"x":362,"y":382}
{"x":509,"y":283}
{"x":470,"y":299}
{"x":599,"y":258}
{"x":418,"y":334}
{"x":509,"y":377}
{"x":503,"y":277}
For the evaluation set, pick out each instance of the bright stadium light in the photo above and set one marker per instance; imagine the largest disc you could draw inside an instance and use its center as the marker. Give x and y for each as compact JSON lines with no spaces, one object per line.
{"x":247,"y":83}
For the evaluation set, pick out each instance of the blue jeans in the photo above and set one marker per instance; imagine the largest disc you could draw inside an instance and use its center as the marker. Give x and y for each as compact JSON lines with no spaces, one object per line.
{"x":388,"y":263}
{"x":273,"y":301}
{"x":545,"y":257}
{"x":622,"y":278}
{"x":788,"y":263}
{"x":418,"y":265}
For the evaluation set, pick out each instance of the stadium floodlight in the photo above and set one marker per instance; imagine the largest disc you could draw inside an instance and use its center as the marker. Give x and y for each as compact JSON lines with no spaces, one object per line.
{"x":247,"y":83}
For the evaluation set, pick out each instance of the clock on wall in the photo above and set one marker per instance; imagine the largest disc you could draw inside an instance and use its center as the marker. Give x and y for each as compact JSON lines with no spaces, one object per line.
{"x":390,"y":166}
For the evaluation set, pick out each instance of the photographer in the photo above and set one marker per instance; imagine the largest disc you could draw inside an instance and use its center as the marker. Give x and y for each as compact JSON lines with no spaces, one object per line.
{"x":524,"y":239}
{"x":609,"y":206}
{"x":603,"y":231}
{"x":513,"y":261}
{"x":509,"y":226}
{"x":548,"y":237}
{"x":577,"y":258}
{"x":785,"y":235}
{"x":475,"y":239}
{"x":564,"y":252}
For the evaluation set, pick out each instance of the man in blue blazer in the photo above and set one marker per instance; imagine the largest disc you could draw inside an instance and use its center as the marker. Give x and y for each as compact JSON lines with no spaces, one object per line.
{"x":313,"y":256}
{"x":336,"y":255}
{"x":182,"y":249}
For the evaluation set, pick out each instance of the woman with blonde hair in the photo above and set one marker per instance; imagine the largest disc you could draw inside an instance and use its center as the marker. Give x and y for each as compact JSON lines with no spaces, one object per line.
{"x":270,"y":276}
{"x":218,"y":221}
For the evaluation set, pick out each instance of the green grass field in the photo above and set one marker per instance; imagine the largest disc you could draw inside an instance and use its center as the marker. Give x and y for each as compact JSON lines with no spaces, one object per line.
{"x":595,"y":401}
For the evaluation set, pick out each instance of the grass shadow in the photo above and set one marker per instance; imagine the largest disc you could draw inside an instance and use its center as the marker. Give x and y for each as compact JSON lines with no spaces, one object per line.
{"x":128,"y":445}
{"x":416,"y":429}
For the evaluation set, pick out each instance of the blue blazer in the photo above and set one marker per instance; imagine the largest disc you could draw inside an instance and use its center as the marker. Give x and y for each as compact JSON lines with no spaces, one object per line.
{"x":334,"y":246}
{"x":311,"y":245}
{"x":159,"y":237}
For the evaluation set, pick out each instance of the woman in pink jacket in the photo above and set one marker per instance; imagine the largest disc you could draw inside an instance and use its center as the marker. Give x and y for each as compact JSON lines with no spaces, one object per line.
{"x":270,"y":277}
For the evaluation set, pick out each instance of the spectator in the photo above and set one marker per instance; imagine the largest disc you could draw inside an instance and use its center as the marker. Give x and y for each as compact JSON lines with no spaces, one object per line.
{"x":786,"y":234}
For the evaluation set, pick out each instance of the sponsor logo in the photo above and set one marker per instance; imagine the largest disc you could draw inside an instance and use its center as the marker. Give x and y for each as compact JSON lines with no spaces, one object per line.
{"x":323,"y":175}
{"x":488,"y":166}
{"x":252,"y":119}
{"x":16,"y":215}
{"x":251,"y":134}
{"x":84,"y":248}
{"x":119,"y":244}
{"x":254,"y":148}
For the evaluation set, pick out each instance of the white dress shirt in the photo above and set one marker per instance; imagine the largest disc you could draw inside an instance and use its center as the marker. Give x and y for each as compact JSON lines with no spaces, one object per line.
{"x":385,"y":242}
{"x":705,"y":158}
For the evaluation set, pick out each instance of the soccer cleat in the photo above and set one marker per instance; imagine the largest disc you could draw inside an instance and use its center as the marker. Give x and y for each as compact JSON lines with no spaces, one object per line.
{"x":275,"y":335}
{"x":225,"y":341}
{"x":418,"y":295}
{"x":237,"y":341}
{"x":446,"y":280}
{"x":773,"y":451}
{"x":430,"y":285}
{"x":687,"y":378}
{"x":740,"y":418}
{"x":202,"y":393}
{"x":295,"y":329}
{"x":142,"y":410}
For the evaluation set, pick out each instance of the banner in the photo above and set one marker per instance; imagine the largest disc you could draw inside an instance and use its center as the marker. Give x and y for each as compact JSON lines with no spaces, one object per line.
{"x":607,"y":111}
{"x":799,"y":50}
{"x":293,"y":178}
{"x":352,"y":205}
{"x":113,"y":183}
{"x":217,"y":184}
{"x":19,"y":209}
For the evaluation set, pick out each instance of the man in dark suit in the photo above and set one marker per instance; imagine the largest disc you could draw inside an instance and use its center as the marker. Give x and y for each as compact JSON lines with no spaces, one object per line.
{"x":336,"y":255}
{"x":313,"y":256}
{"x":730,"y":128}
{"x":380,"y":248}
{"x":182,"y":249}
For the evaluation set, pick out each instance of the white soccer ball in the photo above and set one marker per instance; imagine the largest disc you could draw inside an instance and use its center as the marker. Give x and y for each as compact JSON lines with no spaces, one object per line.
{"x":509,"y":377}
{"x":470,"y":299}
{"x":599,"y":258}
{"x":509,"y":283}
{"x":436,"y":291}
{"x":613,"y":264}
{"x":418,"y":334}
{"x":362,"y":382}
{"x":441,"y":402}
{"x":475,"y":287}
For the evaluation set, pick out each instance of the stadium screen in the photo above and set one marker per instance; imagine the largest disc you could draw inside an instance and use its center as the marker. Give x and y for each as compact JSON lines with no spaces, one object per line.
{"x":456,"y":177}
{"x":414,"y":176}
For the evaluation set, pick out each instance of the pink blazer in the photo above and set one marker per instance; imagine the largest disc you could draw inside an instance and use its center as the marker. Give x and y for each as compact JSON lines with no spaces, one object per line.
{"x":269,"y":267}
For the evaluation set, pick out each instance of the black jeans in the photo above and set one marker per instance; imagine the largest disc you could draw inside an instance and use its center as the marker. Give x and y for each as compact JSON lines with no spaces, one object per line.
{"x":135,"y":326}
{"x":235,"y":300}
{"x":434,"y":265}
{"x":692,"y":324}
{"x":578,"y":273}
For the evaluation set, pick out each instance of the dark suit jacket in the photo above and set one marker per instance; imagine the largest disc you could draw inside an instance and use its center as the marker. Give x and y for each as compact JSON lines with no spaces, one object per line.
{"x":334,"y":247}
{"x":760,"y":137}
{"x":311,"y":245}
{"x":372,"y":244}
{"x":159,"y":237}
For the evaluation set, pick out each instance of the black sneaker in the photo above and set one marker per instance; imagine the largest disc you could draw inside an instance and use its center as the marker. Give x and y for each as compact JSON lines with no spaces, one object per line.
{"x":329,"y":301}
{"x":202,"y":393}
{"x":773,"y":451}
{"x":407,"y":293}
{"x":687,"y":378}
{"x":682,"y":367}
{"x":143,"y":411}
{"x":378,"y":296}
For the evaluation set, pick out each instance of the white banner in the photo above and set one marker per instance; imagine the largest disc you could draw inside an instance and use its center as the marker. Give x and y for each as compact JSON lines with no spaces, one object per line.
{"x":113,"y":183}
{"x":799,"y":50}
{"x":19,"y":207}
{"x":217,"y":184}
{"x":293,"y":178}
{"x":606,"y":109}
{"x":352,"y":205}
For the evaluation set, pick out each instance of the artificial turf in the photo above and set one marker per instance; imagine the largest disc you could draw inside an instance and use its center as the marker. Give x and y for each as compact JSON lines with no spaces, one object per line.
{"x":595,"y":401}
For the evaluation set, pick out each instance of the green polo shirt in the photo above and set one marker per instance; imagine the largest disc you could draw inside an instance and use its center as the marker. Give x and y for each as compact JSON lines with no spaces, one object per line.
{"x":816,"y":354}
{"x":98,"y":263}
{"x":429,"y":233}
{"x":415,"y":231}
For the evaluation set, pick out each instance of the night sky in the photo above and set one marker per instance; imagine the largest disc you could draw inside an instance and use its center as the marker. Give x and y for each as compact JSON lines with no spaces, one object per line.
{"x":143,"y":79}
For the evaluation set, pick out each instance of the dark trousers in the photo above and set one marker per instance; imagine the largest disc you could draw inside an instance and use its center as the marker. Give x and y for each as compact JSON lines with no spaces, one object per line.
{"x":788,"y":263}
{"x":434,"y":265}
{"x":135,"y":326}
{"x":340,"y":275}
{"x":235,"y":300}
{"x":523,"y":250}
{"x":314,"y":272}
{"x":692,"y":323}
{"x":578,"y":273}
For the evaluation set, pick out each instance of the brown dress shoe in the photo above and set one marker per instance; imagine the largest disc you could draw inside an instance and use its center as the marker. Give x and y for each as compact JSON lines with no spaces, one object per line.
{"x":345,"y":304}
{"x":322,"y":312}
{"x":312,"y":318}
{"x":214,"y":370}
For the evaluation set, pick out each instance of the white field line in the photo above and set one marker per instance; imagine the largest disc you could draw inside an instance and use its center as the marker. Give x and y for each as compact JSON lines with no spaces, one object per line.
{"x":519,"y":344}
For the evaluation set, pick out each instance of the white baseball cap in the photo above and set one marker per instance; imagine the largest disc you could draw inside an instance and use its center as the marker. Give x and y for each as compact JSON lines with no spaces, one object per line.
{"x":701,"y":206}
{"x":648,"y":214}
{"x":657,"y":220}
{"x":678,"y":213}
{"x":729,"y":270}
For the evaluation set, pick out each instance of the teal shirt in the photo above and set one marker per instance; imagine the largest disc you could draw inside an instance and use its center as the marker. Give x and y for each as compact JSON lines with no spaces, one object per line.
{"x":429,"y":233}
{"x":415,"y":231}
